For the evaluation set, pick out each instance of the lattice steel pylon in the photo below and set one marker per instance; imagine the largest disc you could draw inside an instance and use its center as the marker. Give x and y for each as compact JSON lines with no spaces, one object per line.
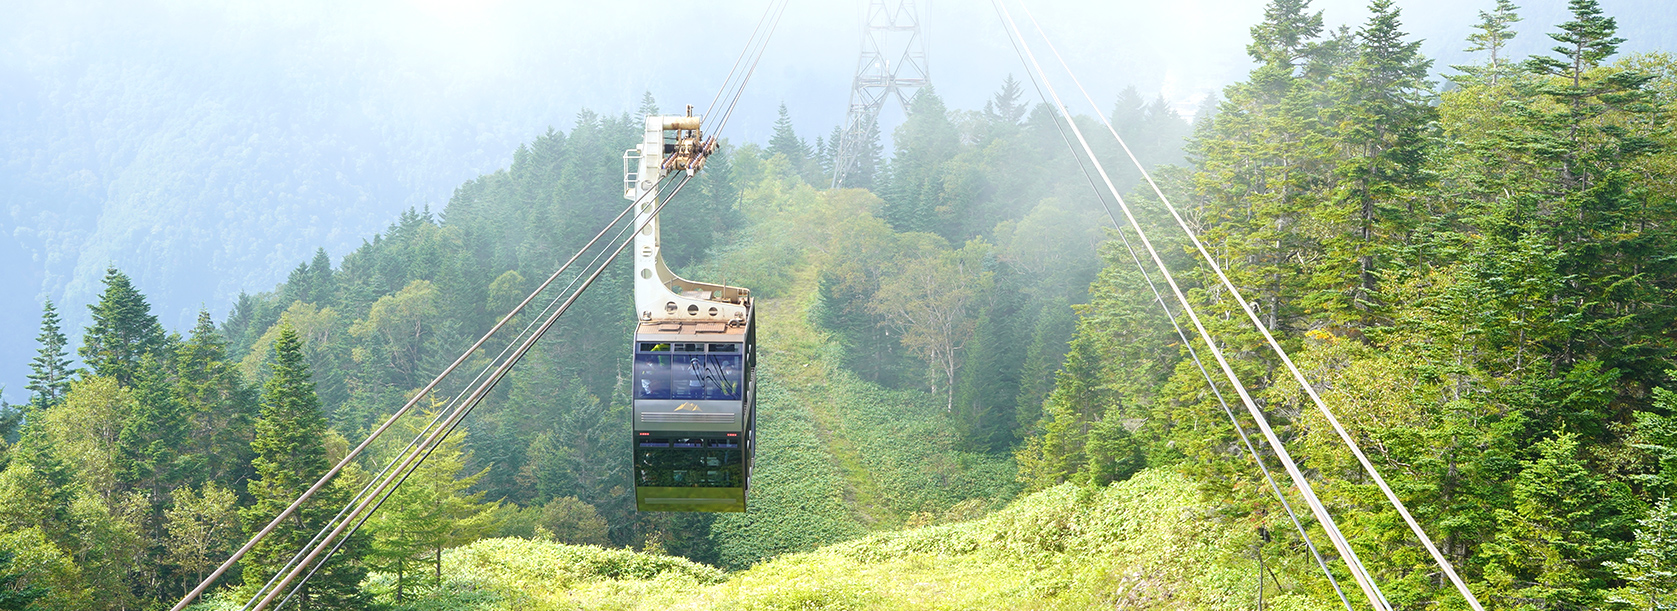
{"x":892,"y":65}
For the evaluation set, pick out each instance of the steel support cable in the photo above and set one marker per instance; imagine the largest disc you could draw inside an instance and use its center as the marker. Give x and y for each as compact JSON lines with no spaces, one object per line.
{"x":453,"y":420}
{"x":1322,"y":406}
{"x":1238,"y":429}
{"x":749,"y":42}
{"x":715,"y":133}
{"x":1364,"y":582}
{"x":447,"y":407}
{"x":353,"y":453}
{"x":341,"y":541}
{"x":1193,"y":354}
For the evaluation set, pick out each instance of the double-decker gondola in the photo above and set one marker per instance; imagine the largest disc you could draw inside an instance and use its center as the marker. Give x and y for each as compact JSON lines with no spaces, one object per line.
{"x":694,"y":353}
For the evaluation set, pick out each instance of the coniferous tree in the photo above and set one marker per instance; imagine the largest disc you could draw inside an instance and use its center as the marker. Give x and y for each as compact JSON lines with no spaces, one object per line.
{"x":430,"y":512}
{"x":311,"y":282}
{"x":123,"y":331}
{"x":11,"y":421}
{"x":1382,"y":110}
{"x":1650,"y":573}
{"x":218,"y":409}
{"x":1005,"y":107}
{"x":49,"y":372}
{"x":1564,"y":525}
{"x":785,"y":140}
{"x":1264,"y":162}
{"x":290,"y":456}
{"x":1493,"y":33}
{"x":151,"y":436}
{"x":923,"y":143}
{"x":1586,"y":41}
{"x":149,"y":450}
{"x":826,"y":151}
{"x":649,"y":105}
{"x":1604,"y":231}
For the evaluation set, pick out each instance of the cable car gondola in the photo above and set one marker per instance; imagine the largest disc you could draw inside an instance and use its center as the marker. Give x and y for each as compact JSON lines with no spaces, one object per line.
{"x":694,"y":352}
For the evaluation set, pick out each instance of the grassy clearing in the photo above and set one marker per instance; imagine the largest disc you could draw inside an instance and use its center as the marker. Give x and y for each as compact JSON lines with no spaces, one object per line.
{"x":895,"y":449}
{"x":1141,"y":544}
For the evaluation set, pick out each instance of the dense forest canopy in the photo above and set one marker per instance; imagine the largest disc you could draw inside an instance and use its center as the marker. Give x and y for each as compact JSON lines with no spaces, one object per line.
{"x":1477,"y":274}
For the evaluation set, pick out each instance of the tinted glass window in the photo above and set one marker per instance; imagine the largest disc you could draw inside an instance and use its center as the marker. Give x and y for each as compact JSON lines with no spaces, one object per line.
{"x":668,"y":464}
{"x":688,"y":376}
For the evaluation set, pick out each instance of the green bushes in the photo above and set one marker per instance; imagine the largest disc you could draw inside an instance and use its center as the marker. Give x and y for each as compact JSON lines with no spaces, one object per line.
{"x":1147,"y":542}
{"x":526,"y":574}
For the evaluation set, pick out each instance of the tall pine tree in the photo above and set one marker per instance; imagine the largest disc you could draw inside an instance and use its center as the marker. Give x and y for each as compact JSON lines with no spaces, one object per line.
{"x":49,"y":372}
{"x":149,"y":450}
{"x":219,"y":409}
{"x":1494,"y":31}
{"x":290,"y":455}
{"x":1383,"y":107}
{"x":123,"y":331}
{"x":923,"y":143}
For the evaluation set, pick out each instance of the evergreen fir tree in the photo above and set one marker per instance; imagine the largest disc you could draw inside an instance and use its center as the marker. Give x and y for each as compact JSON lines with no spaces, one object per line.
{"x":151,"y":437}
{"x":1494,"y":31}
{"x":1005,"y":107}
{"x":1383,"y":108}
{"x":219,"y":410}
{"x":1564,"y":527}
{"x":1650,"y":573}
{"x":123,"y":331}
{"x":290,"y":456}
{"x":786,"y":142}
{"x":923,"y":143}
{"x":299,"y":285}
{"x":826,"y":151}
{"x":1586,"y":41}
{"x":1285,"y":35}
{"x":11,"y":421}
{"x":1264,"y":164}
{"x":649,"y":105}
{"x":320,"y":269}
{"x":49,"y":372}
{"x":311,"y":282}
{"x":149,"y":447}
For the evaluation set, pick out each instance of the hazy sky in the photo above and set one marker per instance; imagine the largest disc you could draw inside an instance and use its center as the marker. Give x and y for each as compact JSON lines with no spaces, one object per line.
{"x":338,"y":115}
{"x":461,"y":53}
{"x":600,"y":54}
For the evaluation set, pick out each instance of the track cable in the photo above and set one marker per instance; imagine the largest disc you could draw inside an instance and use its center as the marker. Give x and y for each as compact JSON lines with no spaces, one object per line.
{"x":442,"y":413}
{"x":449,"y":425}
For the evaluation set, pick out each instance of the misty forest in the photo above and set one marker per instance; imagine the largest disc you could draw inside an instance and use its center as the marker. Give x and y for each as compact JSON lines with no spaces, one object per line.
{"x":969,"y":397}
